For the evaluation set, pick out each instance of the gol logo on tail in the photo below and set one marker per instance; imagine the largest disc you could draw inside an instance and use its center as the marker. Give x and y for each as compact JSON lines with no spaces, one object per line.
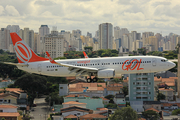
{"x":133,"y":64}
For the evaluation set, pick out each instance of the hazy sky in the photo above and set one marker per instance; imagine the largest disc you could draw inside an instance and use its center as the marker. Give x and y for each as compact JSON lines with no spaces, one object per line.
{"x":140,"y":15}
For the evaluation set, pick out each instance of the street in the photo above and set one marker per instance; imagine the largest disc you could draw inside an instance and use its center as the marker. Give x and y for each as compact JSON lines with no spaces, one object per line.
{"x":41,"y":111}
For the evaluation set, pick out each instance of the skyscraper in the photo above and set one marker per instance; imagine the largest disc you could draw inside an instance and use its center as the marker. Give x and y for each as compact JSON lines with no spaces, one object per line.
{"x":54,"y":44}
{"x":4,"y":39}
{"x":43,"y":30}
{"x":28,"y":36}
{"x":105,"y":36}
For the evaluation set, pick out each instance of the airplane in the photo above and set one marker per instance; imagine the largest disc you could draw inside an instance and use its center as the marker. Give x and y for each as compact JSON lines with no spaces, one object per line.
{"x":107,"y":67}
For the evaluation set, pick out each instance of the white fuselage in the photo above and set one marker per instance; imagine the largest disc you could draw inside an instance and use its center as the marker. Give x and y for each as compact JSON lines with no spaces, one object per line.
{"x":134,"y":64}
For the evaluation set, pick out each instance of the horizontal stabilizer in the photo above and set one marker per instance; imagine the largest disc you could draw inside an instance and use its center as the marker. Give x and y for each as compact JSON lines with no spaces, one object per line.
{"x":17,"y":64}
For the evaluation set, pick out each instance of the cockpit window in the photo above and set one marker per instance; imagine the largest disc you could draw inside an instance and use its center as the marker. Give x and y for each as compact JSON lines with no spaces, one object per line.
{"x":163,"y":60}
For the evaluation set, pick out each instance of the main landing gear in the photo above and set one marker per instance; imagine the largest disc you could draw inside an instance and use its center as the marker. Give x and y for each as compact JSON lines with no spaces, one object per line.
{"x":89,"y":80}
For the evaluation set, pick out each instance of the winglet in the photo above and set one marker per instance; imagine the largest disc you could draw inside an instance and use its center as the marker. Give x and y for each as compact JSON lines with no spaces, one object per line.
{"x":85,"y":55}
{"x":51,"y":60}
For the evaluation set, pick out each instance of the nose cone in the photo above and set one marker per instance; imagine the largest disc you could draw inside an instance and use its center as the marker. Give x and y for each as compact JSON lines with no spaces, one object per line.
{"x":171,"y":64}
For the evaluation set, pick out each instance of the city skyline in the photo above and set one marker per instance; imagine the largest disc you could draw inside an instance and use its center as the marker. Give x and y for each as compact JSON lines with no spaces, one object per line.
{"x":159,"y":16}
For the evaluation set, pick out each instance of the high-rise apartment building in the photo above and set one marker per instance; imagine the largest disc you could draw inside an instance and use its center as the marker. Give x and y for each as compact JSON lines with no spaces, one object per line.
{"x":105,"y":36}
{"x":118,"y":43}
{"x":43,"y":30}
{"x":36,"y":42}
{"x":117,"y":32}
{"x":146,"y":35}
{"x":123,"y":31}
{"x":76,"y":33}
{"x":125,"y":41}
{"x":28,"y":36}
{"x":12,"y":28}
{"x":4,"y":38}
{"x":153,"y":41}
{"x":141,"y":87}
{"x":54,"y":44}
{"x":89,"y":34}
{"x":133,"y":36}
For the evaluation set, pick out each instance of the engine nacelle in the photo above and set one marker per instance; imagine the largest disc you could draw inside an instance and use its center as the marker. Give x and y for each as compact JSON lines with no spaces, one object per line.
{"x":106,"y":73}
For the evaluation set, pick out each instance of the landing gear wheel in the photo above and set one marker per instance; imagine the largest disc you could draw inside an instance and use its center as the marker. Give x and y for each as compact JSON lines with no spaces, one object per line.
{"x":95,"y":79}
{"x":89,"y":80}
{"x":158,"y":76}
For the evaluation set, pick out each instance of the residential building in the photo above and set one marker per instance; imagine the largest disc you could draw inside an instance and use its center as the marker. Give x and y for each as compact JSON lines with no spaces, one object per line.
{"x":76,"y":33}
{"x":105,"y":36}
{"x":117,"y":32}
{"x":141,"y":87}
{"x":75,"y":110}
{"x":54,"y":44}
{"x":168,"y":92}
{"x":4,"y":39}
{"x":73,"y":103}
{"x":89,"y":34}
{"x":5,"y":83}
{"x":119,"y":98}
{"x":43,"y":30}
{"x":152,"y":104}
{"x":12,"y":28}
{"x":118,"y":43}
{"x":28,"y":36}
{"x":91,"y":103}
{"x":89,"y":89}
{"x":123,"y":31}
{"x":146,"y":35}
{"x":9,"y":112}
{"x":93,"y":117}
{"x":14,"y":96}
{"x":63,"y":89}
{"x":36,"y":43}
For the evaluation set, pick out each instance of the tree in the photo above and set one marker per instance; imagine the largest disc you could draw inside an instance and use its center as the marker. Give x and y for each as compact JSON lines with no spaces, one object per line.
{"x":88,"y":49}
{"x":32,"y":84}
{"x":54,"y":98}
{"x":176,"y":112}
{"x":109,"y":96}
{"x":3,"y":118}
{"x":125,"y":90}
{"x":160,"y":96}
{"x":116,"y":80}
{"x":151,"y":115}
{"x":111,"y":105}
{"x":125,"y":113}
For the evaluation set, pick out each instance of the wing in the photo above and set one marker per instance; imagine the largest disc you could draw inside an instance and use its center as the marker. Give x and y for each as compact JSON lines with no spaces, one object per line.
{"x":79,"y":70}
{"x":17,"y":64}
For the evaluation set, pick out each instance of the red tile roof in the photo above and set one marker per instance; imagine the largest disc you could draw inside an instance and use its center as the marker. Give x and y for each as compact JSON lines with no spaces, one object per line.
{"x":78,"y":95}
{"x":3,"y":95}
{"x":101,"y":109}
{"x":71,"y":116}
{"x":104,"y":98}
{"x":116,"y":84}
{"x":152,"y":109}
{"x":92,"y":116}
{"x":8,"y":106}
{"x":114,"y":88}
{"x":73,"y":102}
{"x":10,"y":114}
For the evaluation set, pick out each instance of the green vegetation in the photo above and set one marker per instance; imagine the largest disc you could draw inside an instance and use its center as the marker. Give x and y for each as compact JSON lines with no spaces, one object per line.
{"x":109,"y":97}
{"x":176,"y":112}
{"x":125,"y":90}
{"x":151,"y":115}
{"x":160,"y":96}
{"x":125,"y":113}
{"x":111,"y":105}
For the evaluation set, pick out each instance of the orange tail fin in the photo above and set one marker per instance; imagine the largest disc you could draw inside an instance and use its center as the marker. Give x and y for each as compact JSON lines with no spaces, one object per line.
{"x":23,"y":52}
{"x":85,"y":55}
